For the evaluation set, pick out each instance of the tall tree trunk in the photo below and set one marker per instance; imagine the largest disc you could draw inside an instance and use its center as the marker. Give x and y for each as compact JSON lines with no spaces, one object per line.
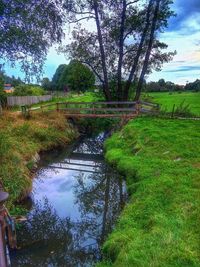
{"x":148,"y":52}
{"x":102,"y":52}
{"x":121,"y":52}
{"x":139,"y":52}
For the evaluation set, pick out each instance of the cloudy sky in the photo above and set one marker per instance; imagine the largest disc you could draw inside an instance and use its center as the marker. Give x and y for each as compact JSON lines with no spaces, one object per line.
{"x":182,"y":35}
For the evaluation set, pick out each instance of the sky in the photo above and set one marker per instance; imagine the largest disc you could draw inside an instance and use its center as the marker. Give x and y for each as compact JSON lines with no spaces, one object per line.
{"x":182,"y":35}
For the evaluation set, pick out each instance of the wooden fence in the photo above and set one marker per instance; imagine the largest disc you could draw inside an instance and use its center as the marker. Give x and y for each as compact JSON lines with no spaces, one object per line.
{"x":26,"y":100}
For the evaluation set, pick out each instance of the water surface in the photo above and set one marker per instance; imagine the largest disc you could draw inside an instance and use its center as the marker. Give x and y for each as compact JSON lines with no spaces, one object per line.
{"x":75,"y":202}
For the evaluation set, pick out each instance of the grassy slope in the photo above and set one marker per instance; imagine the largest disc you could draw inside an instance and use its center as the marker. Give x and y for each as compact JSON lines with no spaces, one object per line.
{"x":160,"y":224}
{"x":21,"y":139}
{"x":168,"y":100}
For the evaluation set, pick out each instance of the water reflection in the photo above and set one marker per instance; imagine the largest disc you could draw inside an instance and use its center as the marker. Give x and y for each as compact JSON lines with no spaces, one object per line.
{"x":73,"y":210}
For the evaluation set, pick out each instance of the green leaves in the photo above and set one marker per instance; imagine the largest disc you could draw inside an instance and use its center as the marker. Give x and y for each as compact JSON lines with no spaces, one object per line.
{"x":75,"y":76}
{"x":27,"y":29}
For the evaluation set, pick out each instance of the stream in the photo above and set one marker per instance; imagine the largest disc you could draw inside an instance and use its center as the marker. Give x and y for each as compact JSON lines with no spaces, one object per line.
{"x":75,"y":202}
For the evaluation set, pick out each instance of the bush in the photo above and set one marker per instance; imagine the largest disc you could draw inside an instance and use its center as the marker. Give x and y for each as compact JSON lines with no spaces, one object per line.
{"x":28,"y":90}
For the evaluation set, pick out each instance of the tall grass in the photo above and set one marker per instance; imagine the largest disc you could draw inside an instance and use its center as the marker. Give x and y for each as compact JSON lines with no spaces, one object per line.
{"x":20,"y":140}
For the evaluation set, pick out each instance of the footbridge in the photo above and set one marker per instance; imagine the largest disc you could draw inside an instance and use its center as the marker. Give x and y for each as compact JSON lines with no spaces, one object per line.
{"x":115,"y":109}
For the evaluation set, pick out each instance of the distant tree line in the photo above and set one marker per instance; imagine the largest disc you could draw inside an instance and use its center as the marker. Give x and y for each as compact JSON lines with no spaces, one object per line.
{"x":167,"y":86}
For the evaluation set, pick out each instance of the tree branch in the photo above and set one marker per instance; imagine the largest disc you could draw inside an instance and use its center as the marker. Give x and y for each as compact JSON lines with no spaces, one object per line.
{"x":75,"y":21}
{"x":133,"y":2}
{"x":94,"y":70}
{"x":128,"y":51}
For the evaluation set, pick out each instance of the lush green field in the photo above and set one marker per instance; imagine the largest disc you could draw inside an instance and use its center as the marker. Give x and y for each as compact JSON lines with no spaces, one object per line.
{"x":168,"y":100}
{"x":159,"y":227}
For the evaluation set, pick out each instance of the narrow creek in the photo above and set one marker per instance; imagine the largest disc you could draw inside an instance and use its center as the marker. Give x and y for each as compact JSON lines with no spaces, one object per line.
{"x":74,"y":204}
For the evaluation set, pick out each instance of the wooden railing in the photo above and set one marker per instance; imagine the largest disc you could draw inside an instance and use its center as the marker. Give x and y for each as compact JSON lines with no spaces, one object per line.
{"x":7,"y":232}
{"x":96,"y":109}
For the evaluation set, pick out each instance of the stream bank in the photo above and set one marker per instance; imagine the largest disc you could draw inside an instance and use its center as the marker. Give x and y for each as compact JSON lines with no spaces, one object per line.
{"x":21,"y":141}
{"x":160,"y":224}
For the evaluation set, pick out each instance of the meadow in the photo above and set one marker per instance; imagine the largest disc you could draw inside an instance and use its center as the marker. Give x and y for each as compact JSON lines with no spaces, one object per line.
{"x":168,"y":100}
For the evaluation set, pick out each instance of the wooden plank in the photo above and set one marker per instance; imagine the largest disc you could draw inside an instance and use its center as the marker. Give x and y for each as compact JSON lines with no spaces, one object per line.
{"x":98,"y":109}
{"x":2,"y":247}
{"x":78,"y":115}
{"x":79,"y":164}
{"x":98,"y":103}
{"x":148,"y":104}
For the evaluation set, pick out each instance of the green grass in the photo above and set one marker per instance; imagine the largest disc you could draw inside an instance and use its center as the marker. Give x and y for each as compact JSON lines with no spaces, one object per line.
{"x":167,"y":100}
{"x":72,"y":97}
{"x":159,"y":226}
{"x":20,"y":140}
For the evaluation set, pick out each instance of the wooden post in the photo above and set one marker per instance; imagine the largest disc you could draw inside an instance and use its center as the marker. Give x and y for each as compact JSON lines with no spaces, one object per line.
{"x":137,"y":105}
{"x":2,"y":247}
{"x":1,"y":109}
{"x":3,"y":198}
{"x":57,"y":107}
{"x":172,"y":116}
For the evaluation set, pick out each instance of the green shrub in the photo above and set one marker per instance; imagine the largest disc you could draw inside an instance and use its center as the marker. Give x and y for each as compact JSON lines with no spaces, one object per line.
{"x":28,"y":90}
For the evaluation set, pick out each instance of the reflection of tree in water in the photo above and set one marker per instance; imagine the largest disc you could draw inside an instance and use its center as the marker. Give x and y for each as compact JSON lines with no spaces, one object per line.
{"x":91,"y":145}
{"x":100,"y":198}
{"x":48,"y":240}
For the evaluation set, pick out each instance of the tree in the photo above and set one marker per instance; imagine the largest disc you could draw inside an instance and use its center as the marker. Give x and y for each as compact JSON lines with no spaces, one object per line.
{"x":46,"y":84}
{"x":78,"y":77}
{"x":75,"y":75}
{"x":124,"y":43}
{"x":57,"y":82}
{"x":194,"y":86}
{"x":27,"y":29}
{"x":12,"y":80}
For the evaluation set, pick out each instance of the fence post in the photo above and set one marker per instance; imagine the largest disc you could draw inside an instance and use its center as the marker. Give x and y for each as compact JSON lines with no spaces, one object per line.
{"x":1,"y":109}
{"x":57,"y":107}
{"x":172,"y":116}
{"x":137,"y":108}
{"x":3,"y":260}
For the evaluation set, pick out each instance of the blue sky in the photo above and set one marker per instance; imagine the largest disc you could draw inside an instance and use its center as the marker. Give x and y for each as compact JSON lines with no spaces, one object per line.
{"x":182,"y":35}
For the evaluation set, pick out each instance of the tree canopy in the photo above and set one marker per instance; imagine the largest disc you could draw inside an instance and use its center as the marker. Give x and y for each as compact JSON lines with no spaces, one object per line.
{"x":46,"y":84}
{"x":27,"y":29}
{"x":125,"y":44}
{"x":58,"y":77}
{"x":78,"y":77}
{"x":75,"y":76}
{"x":194,"y":86}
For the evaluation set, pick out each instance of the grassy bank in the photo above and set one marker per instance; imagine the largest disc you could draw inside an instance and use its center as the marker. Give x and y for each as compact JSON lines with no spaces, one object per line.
{"x":160,"y":224}
{"x":167,"y":101}
{"x":21,"y":139}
